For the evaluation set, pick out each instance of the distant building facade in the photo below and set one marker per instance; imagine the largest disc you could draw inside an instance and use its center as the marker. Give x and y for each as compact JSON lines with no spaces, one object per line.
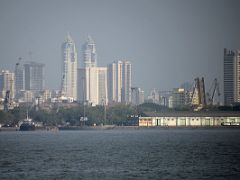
{"x":119,"y":82}
{"x":19,"y":80}
{"x":69,"y":68}
{"x":178,"y":97}
{"x":88,"y":85}
{"x":137,"y":96}
{"x":89,"y":53}
{"x":92,"y":85}
{"x":34,"y":76}
{"x":7,"y":83}
{"x":154,"y":97}
{"x":237,"y":77}
{"x":102,"y":86}
{"x":92,"y":80}
{"x":231,"y":86}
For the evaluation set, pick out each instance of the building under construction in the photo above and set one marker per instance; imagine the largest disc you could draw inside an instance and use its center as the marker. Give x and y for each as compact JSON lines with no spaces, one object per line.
{"x":199,"y":97}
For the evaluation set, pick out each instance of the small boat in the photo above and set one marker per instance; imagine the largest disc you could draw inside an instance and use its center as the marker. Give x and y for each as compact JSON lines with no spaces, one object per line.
{"x":27,"y":125}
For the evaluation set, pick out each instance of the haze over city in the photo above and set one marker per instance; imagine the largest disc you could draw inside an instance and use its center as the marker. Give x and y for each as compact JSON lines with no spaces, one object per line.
{"x":167,"y":42}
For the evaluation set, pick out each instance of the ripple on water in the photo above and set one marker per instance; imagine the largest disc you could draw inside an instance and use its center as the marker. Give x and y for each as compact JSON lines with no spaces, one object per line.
{"x":121,"y":154}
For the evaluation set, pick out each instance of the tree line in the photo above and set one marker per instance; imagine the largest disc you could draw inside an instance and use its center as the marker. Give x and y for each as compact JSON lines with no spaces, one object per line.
{"x":119,"y":114}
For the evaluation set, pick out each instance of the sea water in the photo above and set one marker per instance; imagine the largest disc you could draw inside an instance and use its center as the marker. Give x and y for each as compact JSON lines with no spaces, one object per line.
{"x":121,"y":154}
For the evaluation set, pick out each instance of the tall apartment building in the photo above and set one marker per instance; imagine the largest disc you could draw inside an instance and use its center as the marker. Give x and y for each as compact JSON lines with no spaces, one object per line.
{"x":119,"y":82}
{"x":7,"y":83}
{"x":92,"y":85}
{"x":126,"y":81}
{"x":102,"y":87}
{"x":88,"y":85}
{"x":231,"y":78}
{"x":69,"y":68}
{"x":19,"y":80}
{"x":89,"y":53}
{"x":115,"y":81}
{"x":34,"y":76}
{"x":92,"y":80}
{"x":237,"y":77}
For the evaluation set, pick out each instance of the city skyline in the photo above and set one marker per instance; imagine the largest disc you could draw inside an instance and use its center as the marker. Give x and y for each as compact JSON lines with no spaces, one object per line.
{"x":156,"y":36}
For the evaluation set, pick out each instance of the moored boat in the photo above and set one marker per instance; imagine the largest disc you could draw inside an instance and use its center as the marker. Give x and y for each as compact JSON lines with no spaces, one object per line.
{"x":27,"y":124}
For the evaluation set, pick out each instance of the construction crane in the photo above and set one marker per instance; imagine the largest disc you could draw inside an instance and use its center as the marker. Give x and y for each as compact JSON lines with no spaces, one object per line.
{"x":213,"y":92}
{"x":199,"y":92}
{"x":6,"y":100}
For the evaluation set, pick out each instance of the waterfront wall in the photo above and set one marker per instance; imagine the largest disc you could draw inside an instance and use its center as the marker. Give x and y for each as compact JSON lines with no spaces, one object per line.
{"x":186,"y":121}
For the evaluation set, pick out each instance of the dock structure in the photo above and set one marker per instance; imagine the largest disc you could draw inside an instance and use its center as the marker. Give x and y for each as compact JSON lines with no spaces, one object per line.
{"x":181,"y":119}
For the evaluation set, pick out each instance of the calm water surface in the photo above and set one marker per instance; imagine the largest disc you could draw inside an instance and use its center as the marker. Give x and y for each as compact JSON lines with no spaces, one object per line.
{"x":121,"y":154}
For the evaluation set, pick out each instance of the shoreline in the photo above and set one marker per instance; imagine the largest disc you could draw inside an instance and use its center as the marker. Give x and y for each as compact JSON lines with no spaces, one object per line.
{"x":114,"y":127}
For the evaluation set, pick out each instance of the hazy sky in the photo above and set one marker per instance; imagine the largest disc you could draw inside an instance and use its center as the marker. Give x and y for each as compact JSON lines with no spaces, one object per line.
{"x":168,"y":42}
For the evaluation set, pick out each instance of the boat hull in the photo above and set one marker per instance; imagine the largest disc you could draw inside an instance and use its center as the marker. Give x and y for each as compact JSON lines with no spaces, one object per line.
{"x":27,"y":127}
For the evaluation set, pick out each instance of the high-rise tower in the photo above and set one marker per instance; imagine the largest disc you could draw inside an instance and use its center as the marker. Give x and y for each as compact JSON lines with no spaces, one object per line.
{"x":19,"y":79}
{"x":237,"y":77}
{"x":69,"y":68}
{"x":89,"y":53}
{"x":119,"y":82}
{"x":34,"y":76}
{"x":231,"y":76}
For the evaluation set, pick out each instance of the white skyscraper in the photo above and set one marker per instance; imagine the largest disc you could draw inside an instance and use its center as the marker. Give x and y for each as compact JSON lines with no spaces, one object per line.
{"x":69,"y":68}
{"x":126,"y":81}
{"x":88,"y":85}
{"x":102,"y":85}
{"x":119,"y":82}
{"x":89,"y":53}
{"x":92,"y":80}
{"x":92,"y":85}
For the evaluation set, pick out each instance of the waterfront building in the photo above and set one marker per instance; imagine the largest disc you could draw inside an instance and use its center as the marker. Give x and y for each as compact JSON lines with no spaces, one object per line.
{"x":69,"y":68}
{"x":89,"y":53}
{"x":34,"y":76}
{"x":119,"y":82}
{"x":231,"y":76}
{"x":187,"y":119}
{"x":137,"y":96}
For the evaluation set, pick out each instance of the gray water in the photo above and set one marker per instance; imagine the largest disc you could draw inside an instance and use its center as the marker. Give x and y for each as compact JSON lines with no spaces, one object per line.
{"x":121,"y":154}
